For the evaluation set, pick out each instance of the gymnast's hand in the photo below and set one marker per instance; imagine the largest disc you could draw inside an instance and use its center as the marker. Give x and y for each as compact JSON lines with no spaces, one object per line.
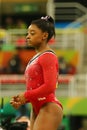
{"x":18,"y":100}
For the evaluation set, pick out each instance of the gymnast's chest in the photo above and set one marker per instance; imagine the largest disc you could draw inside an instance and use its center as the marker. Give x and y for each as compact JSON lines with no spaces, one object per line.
{"x":33,"y":69}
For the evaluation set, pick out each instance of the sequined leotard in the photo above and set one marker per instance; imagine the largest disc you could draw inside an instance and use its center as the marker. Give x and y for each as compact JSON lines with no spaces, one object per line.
{"x":41,"y":78}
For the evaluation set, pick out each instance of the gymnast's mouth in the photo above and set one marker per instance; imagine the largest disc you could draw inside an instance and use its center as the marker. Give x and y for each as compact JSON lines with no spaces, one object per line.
{"x":28,"y":42}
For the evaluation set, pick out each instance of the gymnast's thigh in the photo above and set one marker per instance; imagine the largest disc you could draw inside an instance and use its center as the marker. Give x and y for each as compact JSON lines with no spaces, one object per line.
{"x":32,"y":119}
{"x":49,"y":117}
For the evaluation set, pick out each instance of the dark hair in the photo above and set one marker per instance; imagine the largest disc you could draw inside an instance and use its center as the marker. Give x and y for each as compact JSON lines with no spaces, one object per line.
{"x":46,"y":24}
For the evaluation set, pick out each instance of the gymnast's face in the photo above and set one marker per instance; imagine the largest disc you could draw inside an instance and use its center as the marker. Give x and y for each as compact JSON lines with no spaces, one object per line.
{"x":35,"y":36}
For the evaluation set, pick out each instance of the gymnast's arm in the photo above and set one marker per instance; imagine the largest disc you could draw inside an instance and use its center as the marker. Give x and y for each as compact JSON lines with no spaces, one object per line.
{"x":49,"y":66}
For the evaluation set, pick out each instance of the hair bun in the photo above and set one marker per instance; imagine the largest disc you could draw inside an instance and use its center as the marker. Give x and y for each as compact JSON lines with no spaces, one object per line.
{"x":48,"y":18}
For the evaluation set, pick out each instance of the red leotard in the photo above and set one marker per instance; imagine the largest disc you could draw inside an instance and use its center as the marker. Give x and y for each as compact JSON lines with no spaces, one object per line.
{"x":41,"y":78}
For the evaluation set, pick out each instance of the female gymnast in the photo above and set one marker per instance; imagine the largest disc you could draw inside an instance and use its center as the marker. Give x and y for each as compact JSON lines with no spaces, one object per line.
{"x":41,"y":78}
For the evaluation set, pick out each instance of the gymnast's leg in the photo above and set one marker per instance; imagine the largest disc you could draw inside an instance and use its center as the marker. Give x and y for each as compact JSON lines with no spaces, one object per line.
{"x":32,"y":119}
{"x":49,"y":117}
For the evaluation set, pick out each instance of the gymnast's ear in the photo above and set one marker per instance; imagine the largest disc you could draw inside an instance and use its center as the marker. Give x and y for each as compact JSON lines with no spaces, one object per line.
{"x":45,"y":35}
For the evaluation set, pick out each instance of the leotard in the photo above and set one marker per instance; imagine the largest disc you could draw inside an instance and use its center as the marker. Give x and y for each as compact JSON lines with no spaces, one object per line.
{"x":41,"y":76}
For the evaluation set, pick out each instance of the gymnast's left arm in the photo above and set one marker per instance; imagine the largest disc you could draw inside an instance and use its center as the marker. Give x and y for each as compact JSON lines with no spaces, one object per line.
{"x":49,"y":66}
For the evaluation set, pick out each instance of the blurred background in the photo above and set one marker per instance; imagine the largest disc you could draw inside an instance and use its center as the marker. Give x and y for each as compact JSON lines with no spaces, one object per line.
{"x":70,"y":46}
